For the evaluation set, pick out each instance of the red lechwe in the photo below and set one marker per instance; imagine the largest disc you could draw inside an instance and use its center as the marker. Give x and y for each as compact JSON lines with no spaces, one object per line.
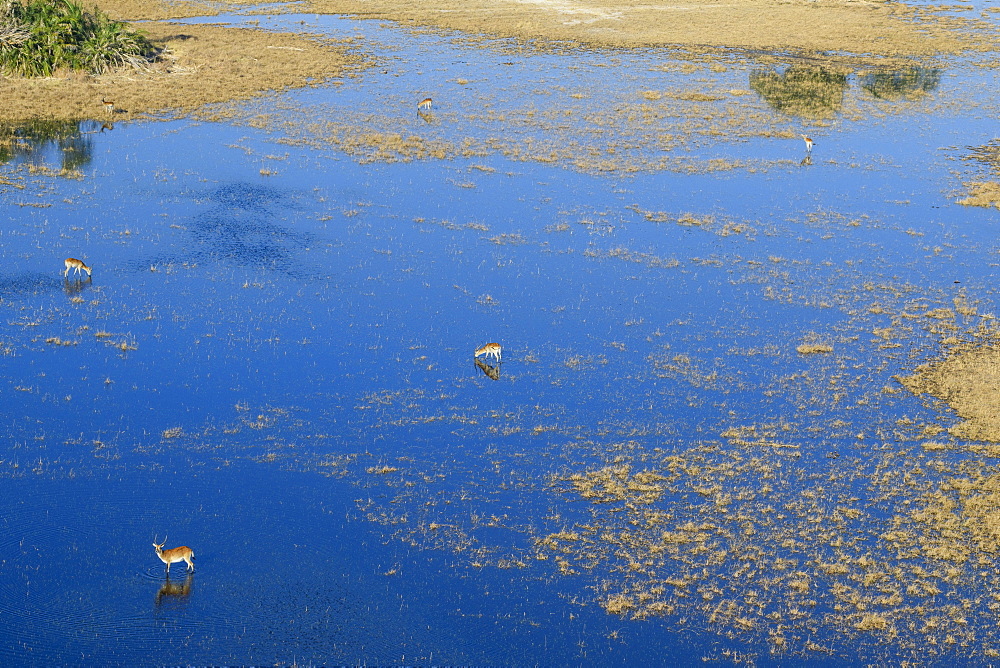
{"x":174,"y":555}
{"x":73,"y":263}
{"x":490,"y":349}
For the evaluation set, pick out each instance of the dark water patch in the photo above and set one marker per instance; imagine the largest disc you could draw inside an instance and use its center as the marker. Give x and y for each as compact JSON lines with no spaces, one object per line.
{"x":249,"y":226}
{"x":277,"y":577}
{"x":36,"y":283}
{"x":248,"y":240}
{"x":73,"y":587}
{"x":250,"y":196}
{"x":244,"y":228}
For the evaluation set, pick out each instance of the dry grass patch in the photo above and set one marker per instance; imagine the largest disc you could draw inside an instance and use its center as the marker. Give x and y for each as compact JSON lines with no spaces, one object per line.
{"x":968,"y":380}
{"x":982,"y":193}
{"x":869,"y":28}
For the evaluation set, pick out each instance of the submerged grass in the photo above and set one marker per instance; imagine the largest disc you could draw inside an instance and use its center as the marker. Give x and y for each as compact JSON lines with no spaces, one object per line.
{"x":40,"y":37}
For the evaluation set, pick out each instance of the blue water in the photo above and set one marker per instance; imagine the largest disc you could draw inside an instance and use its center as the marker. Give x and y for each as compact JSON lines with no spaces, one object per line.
{"x":276,"y":369}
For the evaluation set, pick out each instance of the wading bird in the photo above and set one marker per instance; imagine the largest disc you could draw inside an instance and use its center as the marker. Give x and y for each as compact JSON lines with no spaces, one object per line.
{"x":490,"y":349}
{"x":174,"y":555}
{"x":73,"y":263}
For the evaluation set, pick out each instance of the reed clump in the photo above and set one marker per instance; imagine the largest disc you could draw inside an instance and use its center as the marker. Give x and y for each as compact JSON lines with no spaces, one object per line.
{"x":40,"y":37}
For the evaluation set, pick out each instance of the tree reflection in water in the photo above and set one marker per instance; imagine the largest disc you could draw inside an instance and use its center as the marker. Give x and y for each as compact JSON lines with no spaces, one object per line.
{"x":801,"y":90}
{"x":901,"y":83}
{"x":70,"y":144}
{"x":811,"y":91}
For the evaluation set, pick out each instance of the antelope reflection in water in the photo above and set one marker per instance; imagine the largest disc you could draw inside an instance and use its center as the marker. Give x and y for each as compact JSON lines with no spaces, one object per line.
{"x":174,"y":591}
{"x":75,"y":286}
{"x":493,"y":372}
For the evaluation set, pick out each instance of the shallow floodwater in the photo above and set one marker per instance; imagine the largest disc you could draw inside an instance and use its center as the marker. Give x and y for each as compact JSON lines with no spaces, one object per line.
{"x":696,"y":447}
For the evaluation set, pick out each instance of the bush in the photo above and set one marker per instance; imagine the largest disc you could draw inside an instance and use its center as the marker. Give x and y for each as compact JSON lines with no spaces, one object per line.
{"x":41,"y":36}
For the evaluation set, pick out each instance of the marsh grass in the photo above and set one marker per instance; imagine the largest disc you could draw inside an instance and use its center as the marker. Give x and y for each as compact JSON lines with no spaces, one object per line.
{"x":40,"y":37}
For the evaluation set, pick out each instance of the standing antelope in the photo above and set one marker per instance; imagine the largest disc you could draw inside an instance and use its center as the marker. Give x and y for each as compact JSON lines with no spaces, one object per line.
{"x":425,"y":104}
{"x":809,"y":143}
{"x":109,"y":106}
{"x":490,"y":349}
{"x":174,"y":555}
{"x":73,"y":263}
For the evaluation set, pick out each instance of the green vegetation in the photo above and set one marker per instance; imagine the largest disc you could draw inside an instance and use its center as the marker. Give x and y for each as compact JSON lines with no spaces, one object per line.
{"x":39,"y":37}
